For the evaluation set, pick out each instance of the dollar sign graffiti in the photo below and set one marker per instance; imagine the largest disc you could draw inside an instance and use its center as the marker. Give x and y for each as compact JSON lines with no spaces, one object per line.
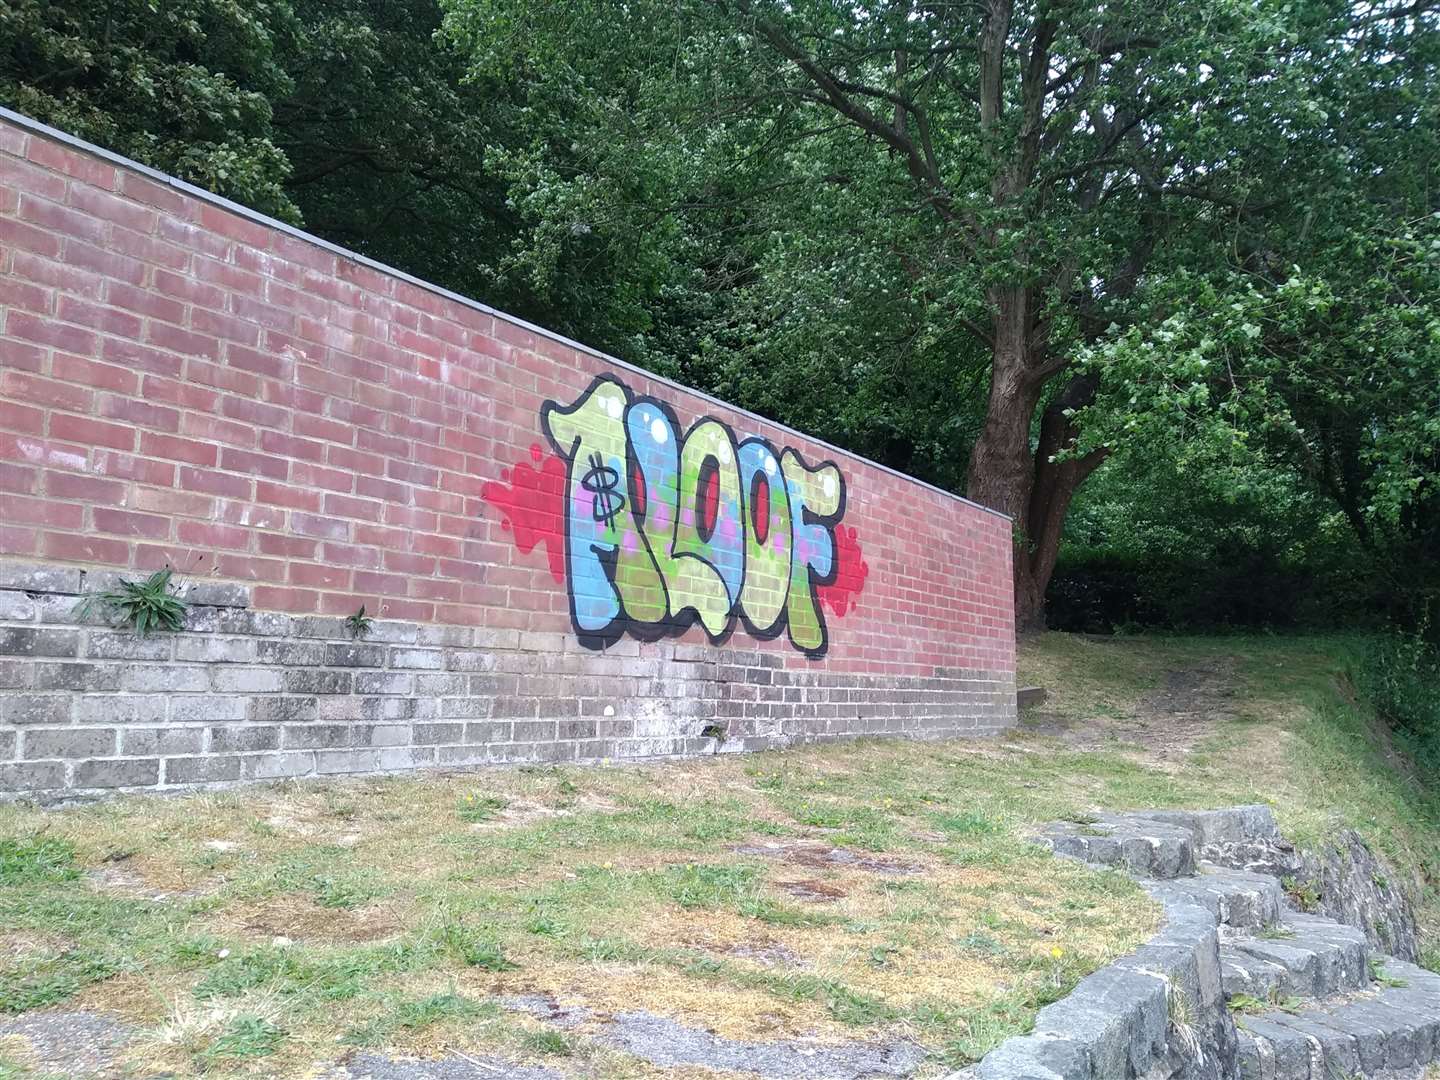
{"x":604,"y":483}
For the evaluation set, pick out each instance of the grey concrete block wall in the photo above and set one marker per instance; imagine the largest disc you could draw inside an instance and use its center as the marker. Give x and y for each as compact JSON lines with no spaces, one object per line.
{"x":244,"y":695}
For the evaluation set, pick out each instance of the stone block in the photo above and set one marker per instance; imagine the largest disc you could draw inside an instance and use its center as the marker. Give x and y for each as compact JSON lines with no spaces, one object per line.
{"x":432,"y":734}
{"x":16,"y":607}
{"x":244,"y":738}
{"x":384,"y":682}
{"x":32,"y":776}
{"x":38,"y":577}
{"x":120,"y":709}
{"x":164,"y":678}
{"x":278,"y":766}
{"x":119,"y":645}
{"x":315,"y":736}
{"x":211,"y":708}
{"x":36,"y":709}
{"x":201,"y":770}
{"x":291,"y":653}
{"x":17,"y":674}
{"x":247,"y":680}
{"x":216,"y":650}
{"x":117,"y":773}
{"x":161,"y":741}
{"x":69,"y":743}
{"x":313,"y":681}
{"x":284,"y":708}
{"x":354,"y":654}
{"x":77,"y":676}
{"x":428,"y":659}
{"x":35,"y":641}
{"x":220,"y":594}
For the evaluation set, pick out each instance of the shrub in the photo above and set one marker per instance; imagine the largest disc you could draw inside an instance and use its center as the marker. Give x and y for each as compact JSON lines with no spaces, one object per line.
{"x":1400,"y":675}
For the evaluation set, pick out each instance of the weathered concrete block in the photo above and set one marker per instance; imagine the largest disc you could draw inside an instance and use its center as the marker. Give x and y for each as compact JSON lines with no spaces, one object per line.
{"x":39,"y":577}
{"x":120,"y":709}
{"x":247,"y":680}
{"x":311,"y":681}
{"x":144,"y":678}
{"x":201,"y":770}
{"x":32,"y":776}
{"x":315,"y":736}
{"x":119,"y":772}
{"x":16,"y":607}
{"x":284,"y":708}
{"x":384,"y":682}
{"x":161,"y":741}
{"x":69,"y":743}
{"x":118,"y":645}
{"x":244,"y":738}
{"x":35,"y":641}
{"x":215,"y":650}
{"x":354,"y":655}
{"x":36,"y":709}
{"x":430,"y":659}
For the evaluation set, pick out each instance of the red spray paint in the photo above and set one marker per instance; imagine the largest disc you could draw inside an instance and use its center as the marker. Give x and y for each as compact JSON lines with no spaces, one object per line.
{"x":851,"y":572}
{"x":532,"y":499}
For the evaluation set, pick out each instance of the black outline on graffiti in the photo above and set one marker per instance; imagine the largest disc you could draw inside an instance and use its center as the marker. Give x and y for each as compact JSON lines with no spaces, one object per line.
{"x":672,"y":625}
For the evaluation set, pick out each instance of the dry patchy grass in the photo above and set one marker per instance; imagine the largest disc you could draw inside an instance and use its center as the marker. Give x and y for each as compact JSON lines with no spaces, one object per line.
{"x":260,"y":930}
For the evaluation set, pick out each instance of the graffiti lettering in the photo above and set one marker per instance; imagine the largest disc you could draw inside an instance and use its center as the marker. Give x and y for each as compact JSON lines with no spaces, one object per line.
{"x":661,"y":531}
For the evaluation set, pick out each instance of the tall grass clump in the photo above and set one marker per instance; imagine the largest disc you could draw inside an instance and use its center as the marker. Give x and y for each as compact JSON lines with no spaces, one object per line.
{"x":1400,"y":675}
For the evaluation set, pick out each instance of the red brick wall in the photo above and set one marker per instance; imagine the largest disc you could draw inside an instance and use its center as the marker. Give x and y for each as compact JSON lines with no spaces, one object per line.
{"x":186,"y":385}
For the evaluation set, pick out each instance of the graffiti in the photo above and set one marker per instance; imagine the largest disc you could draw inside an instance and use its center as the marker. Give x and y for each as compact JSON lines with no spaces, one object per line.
{"x":655,"y":531}
{"x":533,"y":506}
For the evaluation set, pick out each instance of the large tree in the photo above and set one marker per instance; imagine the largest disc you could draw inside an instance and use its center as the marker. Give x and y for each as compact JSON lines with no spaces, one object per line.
{"x":1014,"y":171}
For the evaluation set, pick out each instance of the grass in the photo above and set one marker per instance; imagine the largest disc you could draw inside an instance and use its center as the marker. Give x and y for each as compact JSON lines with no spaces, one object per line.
{"x":255,"y":932}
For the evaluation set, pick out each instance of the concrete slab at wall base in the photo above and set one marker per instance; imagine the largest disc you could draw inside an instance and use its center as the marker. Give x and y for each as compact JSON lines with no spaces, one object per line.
{"x":244,"y":695}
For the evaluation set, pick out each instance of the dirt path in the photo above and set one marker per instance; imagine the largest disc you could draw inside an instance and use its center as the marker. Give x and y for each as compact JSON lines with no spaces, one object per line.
{"x":1164,"y":725}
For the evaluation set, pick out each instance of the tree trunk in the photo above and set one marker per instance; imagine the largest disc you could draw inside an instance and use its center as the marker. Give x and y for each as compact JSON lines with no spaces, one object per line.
{"x":1006,"y":474}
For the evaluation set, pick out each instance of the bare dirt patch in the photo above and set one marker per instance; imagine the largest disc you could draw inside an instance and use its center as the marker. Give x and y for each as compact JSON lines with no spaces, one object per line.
{"x":822,"y":855}
{"x":293,"y":918}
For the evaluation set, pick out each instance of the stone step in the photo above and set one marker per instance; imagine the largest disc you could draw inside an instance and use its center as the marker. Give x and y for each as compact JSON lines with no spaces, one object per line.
{"x":1239,"y":899}
{"x":1148,"y":849}
{"x":1302,"y":956}
{"x":1389,"y":1031}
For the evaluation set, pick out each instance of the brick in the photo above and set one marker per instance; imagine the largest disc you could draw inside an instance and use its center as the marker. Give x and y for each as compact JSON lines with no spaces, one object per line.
{"x":316,"y":736}
{"x":354,"y":655}
{"x":35,"y":708}
{"x":120,"y":709}
{"x":161,"y":741}
{"x":311,"y":681}
{"x":216,"y":650}
{"x":30,"y":641}
{"x":429,"y":659}
{"x":247,"y":680}
{"x":32,"y":776}
{"x":137,"y":772}
{"x":202,"y":770}
{"x":208,"y":708}
{"x":85,"y":677}
{"x":284,"y":708}
{"x":101,"y":645}
{"x":69,"y":743}
{"x":165,"y":678}
{"x":276,"y":766}
{"x":238,"y":737}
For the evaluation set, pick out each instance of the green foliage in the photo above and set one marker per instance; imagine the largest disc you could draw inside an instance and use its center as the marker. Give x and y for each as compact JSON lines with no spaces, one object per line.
{"x":359,"y":623}
{"x":475,"y":949}
{"x":475,"y":809}
{"x":186,"y":86}
{"x":1400,"y":675}
{"x":146,"y":606}
{"x":41,"y":858}
{"x":245,"y":1037}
